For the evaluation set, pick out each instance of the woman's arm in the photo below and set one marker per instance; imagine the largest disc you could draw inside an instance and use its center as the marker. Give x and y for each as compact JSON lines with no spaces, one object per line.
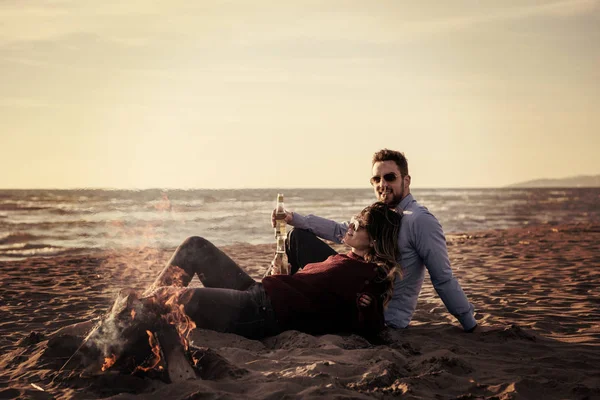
{"x":369,"y":313}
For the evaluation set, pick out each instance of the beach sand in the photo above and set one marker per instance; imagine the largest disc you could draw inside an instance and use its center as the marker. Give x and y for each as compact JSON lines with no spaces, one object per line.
{"x":536,"y":292}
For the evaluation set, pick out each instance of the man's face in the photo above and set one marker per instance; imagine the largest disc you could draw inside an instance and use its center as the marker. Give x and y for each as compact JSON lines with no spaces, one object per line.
{"x":389,"y":186}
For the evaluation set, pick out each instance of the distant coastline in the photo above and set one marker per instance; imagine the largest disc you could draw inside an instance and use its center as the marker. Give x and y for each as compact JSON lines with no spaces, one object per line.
{"x":581,"y":181}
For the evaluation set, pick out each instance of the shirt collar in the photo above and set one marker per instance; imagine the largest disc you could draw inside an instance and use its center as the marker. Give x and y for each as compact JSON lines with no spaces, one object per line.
{"x":404,"y":203}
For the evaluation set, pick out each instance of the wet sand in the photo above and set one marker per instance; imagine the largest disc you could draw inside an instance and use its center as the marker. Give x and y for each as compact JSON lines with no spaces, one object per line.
{"x":536,"y":292}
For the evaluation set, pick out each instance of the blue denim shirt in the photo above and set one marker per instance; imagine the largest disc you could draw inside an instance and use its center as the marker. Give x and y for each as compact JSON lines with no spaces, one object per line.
{"x":422,"y":245}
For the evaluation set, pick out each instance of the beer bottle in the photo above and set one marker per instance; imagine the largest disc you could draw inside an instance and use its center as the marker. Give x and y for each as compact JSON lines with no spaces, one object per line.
{"x":280,"y":217}
{"x":280,"y":234}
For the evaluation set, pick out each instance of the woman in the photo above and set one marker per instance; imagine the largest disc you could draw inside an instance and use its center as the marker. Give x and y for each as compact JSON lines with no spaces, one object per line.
{"x":345,"y":293}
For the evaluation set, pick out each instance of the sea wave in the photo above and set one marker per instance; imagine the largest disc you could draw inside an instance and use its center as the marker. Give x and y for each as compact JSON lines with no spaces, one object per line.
{"x":70,"y":211}
{"x":17,"y":237}
{"x":32,"y":250}
{"x":20,"y":207}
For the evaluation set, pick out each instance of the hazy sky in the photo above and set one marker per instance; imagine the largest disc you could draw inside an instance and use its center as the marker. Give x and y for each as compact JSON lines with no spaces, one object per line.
{"x":231,"y":94}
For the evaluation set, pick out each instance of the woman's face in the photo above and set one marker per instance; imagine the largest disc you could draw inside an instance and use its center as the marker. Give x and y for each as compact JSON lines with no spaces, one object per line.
{"x":357,"y":236}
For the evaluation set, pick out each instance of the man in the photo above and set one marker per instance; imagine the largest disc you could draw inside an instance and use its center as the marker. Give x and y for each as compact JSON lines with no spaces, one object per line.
{"x":421,"y":242}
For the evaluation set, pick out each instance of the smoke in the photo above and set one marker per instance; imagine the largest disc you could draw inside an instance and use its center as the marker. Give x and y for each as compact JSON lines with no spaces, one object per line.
{"x":111,"y":335}
{"x":132,"y":316}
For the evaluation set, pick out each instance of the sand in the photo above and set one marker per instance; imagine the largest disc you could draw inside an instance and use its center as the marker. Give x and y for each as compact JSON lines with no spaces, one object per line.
{"x":536,"y":292}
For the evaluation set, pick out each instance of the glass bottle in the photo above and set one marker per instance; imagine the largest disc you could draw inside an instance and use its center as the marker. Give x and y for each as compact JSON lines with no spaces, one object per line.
{"x":280,"y":235}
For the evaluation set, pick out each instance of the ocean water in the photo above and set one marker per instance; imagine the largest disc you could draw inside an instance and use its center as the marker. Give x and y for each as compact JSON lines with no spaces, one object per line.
{"x":54,"y":222}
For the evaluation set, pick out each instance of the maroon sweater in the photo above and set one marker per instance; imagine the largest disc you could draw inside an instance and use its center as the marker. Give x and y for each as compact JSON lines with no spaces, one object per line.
{"x":323,"y":297}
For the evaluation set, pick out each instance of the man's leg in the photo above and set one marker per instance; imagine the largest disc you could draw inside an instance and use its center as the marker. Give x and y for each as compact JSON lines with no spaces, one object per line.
{"x":215,"y":269}
{"x":304,"y":247}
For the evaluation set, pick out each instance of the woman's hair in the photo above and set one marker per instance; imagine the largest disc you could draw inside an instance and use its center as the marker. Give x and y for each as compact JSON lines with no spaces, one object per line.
{"x":383,"y":226}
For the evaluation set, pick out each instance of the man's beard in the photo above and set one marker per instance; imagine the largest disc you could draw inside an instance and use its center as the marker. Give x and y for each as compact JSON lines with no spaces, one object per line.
{"x":390,"y":198}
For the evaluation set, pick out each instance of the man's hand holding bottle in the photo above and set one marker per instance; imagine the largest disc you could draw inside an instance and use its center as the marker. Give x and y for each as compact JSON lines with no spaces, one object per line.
{"x":289,"y":216}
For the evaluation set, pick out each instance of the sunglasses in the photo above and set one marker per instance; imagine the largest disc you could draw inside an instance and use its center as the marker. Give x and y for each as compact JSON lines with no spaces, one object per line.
{"x":389,"y":177}
{"x":356,"y":224}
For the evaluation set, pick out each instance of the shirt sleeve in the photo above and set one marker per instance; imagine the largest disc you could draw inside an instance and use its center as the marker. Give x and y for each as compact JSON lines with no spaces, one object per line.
{"x":322,"y":227}
{"x":430,"y":243}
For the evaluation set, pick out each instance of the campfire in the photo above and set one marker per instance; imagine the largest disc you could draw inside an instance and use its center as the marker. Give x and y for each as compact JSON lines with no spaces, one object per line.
{"x":142,"y":335}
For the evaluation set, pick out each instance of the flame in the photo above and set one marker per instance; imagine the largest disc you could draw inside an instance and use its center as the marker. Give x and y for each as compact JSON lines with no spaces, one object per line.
{"x":177,"y":317}
{"x":132,"y":313}
{"x":196,"y":360}
{"x":155,"y":351}
{"x":178,"y":276}
{"x":109,"y":362}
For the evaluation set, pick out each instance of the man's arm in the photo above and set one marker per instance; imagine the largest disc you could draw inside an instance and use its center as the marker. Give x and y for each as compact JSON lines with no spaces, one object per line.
{"x":430,"y":243}
{"x":322,"y":227}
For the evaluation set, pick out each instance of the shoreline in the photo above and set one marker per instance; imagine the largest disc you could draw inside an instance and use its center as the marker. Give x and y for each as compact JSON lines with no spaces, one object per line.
{"x":91,"y":251}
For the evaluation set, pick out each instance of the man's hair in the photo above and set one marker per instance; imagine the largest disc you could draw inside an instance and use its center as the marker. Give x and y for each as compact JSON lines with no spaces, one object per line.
{"x":383,"y":226}
{"x":392,"y":155}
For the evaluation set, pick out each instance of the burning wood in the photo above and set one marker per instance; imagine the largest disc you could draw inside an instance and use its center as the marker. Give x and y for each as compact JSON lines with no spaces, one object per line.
{"x":109,"y":362}
{"x":154,"y":329}
{"x":184,"y":325}
{"x":156,"y":351}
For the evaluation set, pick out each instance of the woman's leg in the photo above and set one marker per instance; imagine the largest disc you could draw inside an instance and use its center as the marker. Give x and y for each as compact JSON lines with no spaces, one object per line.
{"x":197,"y":255}
{"x":244,"y":312}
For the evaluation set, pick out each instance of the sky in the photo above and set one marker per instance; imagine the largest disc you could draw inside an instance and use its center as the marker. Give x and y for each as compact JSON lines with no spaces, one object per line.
{"x":278,"y":94}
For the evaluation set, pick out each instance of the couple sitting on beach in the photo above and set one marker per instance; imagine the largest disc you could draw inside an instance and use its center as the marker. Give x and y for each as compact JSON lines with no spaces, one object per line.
{"x":374,"y":285}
